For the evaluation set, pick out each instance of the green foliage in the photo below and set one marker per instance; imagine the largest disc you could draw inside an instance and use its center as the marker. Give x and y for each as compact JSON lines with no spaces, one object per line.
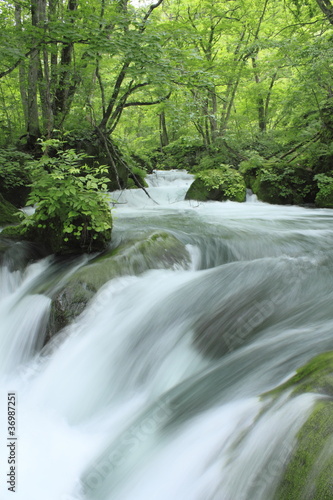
{"x":252,"y":164}
{"x":14,"y":175}
{"x":324,"y":198}
{"x":137,"y":177}
{"x":220,"y":184}
{"x":181,"y":154}
{"x":71,"y":200}
{"x":250,"y":168}
{"x":225,"y":178}
{"x":13,"y":168}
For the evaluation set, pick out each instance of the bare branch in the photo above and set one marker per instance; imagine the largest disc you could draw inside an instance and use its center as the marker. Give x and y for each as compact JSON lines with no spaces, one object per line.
{"x":148,"y":13}
{"x":147,"y":103}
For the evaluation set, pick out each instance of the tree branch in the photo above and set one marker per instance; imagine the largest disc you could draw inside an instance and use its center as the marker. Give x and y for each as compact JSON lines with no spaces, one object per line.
{"x":327,"y":8}
{"x":148,"y":13}
{"x":147,"y":103}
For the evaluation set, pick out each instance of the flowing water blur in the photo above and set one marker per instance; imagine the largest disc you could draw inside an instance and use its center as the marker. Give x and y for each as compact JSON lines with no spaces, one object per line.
{"x":153,"y":393}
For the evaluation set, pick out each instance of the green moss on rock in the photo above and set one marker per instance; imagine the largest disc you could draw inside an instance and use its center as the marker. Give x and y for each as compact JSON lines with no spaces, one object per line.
{"x":315,"y":376}
{"x":308,"y":475}
{"x":220,"y":184}
{"x":158,"y":251}
{"x":14,"y":232}
{"x":8,"y":213}
{"x":137,"y":178}
{"x":278,"y":181}
{"x":284,"y":184}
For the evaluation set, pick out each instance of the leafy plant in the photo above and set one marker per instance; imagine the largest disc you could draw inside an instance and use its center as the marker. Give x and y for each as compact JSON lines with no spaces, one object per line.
{"x":222,"y":184}
{"x":13,"y":168}
{"x":70,"y":198}
{"x":324,"y":197}
{"x":14,"y":175}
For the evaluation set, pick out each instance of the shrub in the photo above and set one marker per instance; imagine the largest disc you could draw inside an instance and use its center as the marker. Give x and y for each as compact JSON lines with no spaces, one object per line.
{"x":324,"y":198}
{"x":14,"y":176}
{"x":72,"y":212}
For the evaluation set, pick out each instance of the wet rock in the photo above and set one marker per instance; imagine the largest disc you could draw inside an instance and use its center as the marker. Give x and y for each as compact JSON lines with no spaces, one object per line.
{"x":308,"y":474}
{"x":220,"y":184}
{"x":18,"y":254}
{"x":158,"y":251}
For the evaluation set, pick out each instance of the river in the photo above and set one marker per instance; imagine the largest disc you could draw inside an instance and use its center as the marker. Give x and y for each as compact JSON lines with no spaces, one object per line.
{"x":154,"y":392}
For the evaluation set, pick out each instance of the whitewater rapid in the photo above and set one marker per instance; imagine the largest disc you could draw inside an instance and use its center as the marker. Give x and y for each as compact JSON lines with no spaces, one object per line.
{"x":153,"y":392}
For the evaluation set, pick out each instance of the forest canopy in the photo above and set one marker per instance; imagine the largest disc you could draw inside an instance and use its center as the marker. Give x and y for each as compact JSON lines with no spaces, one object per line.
{"x":174,"y":84}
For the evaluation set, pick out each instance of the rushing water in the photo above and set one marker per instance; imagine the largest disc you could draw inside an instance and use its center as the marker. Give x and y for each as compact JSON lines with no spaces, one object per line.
{"x":154,"y":392}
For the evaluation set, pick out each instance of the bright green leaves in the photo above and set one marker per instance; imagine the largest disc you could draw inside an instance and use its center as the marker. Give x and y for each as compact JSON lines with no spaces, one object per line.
{"x":69,"y":196}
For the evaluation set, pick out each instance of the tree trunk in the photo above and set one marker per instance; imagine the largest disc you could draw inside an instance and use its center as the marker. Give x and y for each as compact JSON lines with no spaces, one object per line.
{"x":65,"y":88}
{"x":164,"y":138}
{"x":260,"y":101}
{"x":327,"y":9}
{"x":34,"y":62}
{"x":212,"y":116}
{"x":22,"y":68}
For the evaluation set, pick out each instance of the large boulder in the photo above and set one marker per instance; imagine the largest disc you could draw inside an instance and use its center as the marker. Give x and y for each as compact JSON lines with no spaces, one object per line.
{"x":159,"y":250}
{"x":53,"y":239}
{"x":221,"y":184}
{"x":285,"y":185}
{"x":308,"y":474}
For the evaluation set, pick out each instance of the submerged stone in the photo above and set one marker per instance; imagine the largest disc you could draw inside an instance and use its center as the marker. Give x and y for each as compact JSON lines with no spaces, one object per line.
{"x":315,"y":376}
{"x":158,"y":251}
{"x":18,"y":254}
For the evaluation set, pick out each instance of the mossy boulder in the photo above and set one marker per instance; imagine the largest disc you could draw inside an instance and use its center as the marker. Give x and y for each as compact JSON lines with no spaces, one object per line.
{"x":308,"y":474}
{"x":285,"y":185}
{"x":159,"y":250}
{"x":98,"y":153}
{"x":136,"y":178}
{"x":220,"y":184}
{"x":61,"y":243}
{"x":17,"y":232}
{"x":8,"y":212}
{"x":278,"y":182}
{"x":179,"y":155}
{"x":53,"y":239}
